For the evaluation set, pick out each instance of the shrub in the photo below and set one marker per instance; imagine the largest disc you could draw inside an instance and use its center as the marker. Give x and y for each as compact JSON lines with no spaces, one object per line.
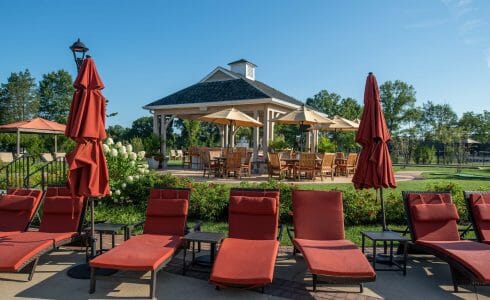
{"x":424,"y":154}
{"x":326,"y":145}
{"x":278,"y":143}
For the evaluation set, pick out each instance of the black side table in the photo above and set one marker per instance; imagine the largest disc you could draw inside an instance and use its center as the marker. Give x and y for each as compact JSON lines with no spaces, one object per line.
{"x":213,"y":238}
{"x":387,"y":236}
{"x":112,"y":229}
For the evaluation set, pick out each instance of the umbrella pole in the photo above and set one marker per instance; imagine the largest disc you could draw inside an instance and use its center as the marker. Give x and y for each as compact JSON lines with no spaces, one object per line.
{"x":92,"y":228}
{"x":383,"y":209}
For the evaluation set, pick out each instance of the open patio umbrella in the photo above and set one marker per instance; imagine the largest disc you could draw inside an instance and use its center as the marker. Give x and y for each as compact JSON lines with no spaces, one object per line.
{"x":374,"y":168}
{"x":303,"y":116}
{"x":233,"y":117}
{"x":339,"y":124}
{"x":88,"y":175}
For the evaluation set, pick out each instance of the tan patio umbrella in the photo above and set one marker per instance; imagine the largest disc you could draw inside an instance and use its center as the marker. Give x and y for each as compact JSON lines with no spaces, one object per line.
{"x":233,"y":117}
{"x":340,"y":124}
{"x":303,"y":116}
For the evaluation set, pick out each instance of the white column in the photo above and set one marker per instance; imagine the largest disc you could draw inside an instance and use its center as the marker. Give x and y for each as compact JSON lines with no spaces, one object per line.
{"x":163,"y":129}
{"x":155,"y":123}
{"x":256,"y":137}
{"x":227,"y":135}
{"x":232,"y":128}
{"x":265,"y":133}
{"x":222,"y":135}
{"x":271,"y":133}
{"x":308,"y":141}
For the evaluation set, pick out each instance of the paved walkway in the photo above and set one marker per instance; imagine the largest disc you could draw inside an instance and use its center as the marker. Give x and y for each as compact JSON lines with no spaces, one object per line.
{"x":427,"y":278}
{"x":196,"y":175}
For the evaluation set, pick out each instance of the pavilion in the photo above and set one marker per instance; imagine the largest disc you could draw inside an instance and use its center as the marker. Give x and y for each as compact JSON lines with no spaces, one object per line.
{"x":221,"y":89}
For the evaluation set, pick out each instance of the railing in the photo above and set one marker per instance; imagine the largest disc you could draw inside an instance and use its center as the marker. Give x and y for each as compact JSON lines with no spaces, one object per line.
{"x":54,"y":172}
{"x":13,"y":174}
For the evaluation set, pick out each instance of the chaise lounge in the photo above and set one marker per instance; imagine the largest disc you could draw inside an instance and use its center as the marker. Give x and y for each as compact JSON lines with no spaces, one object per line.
{"x":319,"y":235}
{"x":478,"y":204}
{"x":432,"y":218}
{"x":61,"y":224}
{"x":163,"y":230}
{"x":246,"y":259}
{"x":17,"y":209}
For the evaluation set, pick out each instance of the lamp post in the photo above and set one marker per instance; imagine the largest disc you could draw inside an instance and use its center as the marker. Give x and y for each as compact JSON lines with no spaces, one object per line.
{"x":79,"y":50}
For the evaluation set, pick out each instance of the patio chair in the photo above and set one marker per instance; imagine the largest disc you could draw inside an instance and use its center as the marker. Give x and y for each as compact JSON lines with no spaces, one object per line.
{"x":306,"y":164}
{"x":318,"y":220}
{"x":6,"y":157}
{"x":246,"y":167}
{"x":61,"y":224}
{"x":17,"y":209}
{"x":351,"y":164}
{"x":247,"y":257}
{"x":327,"y":166}
{"x":274,"y":165}
{"x":478,"y":204}
{"x":432,"y":218}
{"x":179,"y":154}
{"x":163,"y":230}
{"x":173,"y":154}
{"x":233,"y":164}
{"x":208,"y":165}
{"x":46,"y":157}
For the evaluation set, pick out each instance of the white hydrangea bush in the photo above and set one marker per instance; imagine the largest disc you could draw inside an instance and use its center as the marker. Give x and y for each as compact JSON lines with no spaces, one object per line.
{"x":126,"y":168}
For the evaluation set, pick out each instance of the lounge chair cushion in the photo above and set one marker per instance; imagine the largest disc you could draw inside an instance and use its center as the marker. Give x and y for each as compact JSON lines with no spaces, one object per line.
{"x":18,"y":250}
{"x":435,"y":212}
{"x":318,"y":215}
{"x":15,"y":212}
{"x":166,"y":216}
{"x":144,"y":252}
{"x":8,"y":233}
{"x":474,"y":256}
{"x":61,"y":214}
{"x":253,"y":218}
{"x":246,"y":263}
{"x":482,"y":212}
{"x":337,"y":258}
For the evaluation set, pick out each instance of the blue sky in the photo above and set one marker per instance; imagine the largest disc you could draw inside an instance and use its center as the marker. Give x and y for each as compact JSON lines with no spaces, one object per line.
{"x":145,"y":50}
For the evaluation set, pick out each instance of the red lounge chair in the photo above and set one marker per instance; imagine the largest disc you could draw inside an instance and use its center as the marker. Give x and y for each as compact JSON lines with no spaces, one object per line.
{"x":432,"y":219}
{"x":247,"y":257}
{"x":164,"y":228}
{"x":17,"y":208}
{"x":478,"y":204}
{"x":318,"y":219}
{"x":60,"y":225}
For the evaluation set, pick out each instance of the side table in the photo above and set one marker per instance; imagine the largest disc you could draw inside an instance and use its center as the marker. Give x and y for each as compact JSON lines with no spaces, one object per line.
{"x":387,"y":236}
{"x":212,"y":238}
{"x":112,"y":229}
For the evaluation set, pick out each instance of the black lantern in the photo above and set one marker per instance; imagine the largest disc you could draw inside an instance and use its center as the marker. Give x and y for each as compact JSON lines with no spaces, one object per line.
{"x":79,"y":49}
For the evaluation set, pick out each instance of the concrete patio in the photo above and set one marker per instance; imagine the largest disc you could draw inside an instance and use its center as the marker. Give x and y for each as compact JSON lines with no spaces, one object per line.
{"x":427,"y":278}
{"x":197,"y":175}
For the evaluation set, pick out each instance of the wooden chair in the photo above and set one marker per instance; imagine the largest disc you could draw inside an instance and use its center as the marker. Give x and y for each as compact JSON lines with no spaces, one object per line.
{"x":179,"y":154}
{"x":246,"y":167}
{"x":307,"y":165}
{"x":208,"y":165}
{"x":351,"y":164}
{"x":274,"y":166}
{"x":186,"y":159}
{"x":327,"y":166}
{"x":233,"y":164}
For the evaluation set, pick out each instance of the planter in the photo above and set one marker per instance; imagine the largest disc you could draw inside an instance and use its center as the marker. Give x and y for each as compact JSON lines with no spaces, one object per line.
{"x":152,"y":163}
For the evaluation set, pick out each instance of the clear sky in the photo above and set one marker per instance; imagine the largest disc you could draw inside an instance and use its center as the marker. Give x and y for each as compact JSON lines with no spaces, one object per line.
{"x":145,"y":50}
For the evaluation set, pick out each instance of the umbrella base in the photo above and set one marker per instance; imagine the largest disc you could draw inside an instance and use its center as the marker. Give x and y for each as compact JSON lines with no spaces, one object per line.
{"x":82,"y":271}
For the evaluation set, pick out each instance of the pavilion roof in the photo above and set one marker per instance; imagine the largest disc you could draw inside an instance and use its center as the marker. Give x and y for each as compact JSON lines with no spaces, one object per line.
{"x":37,"y":125}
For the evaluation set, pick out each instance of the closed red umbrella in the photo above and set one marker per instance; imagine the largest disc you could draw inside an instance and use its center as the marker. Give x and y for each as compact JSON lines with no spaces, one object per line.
{"x":88,"y":175}
{"x":374,"y":168}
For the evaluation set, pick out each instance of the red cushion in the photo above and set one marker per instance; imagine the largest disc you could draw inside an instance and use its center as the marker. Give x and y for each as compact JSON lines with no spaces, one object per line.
{"x":318,"y":215}
{"x":140,"y":253}
{"x":15,"y":253}
{"x":482,"y":212}
{"x":8,"y":233}
{"x":253,"y":217}
{"x":61,"y":214}
{"x":474,"y":256}
{"x":245,"y":262}
{"x":337,"y":258}
{"x":53,"y":191}
{"x":166,"y":216}
{"x":25,"y":192}
{"x":435,"y":212}
{"x":162,"y":193}
{"x":446,"y":230}
{"x":16,"y":212}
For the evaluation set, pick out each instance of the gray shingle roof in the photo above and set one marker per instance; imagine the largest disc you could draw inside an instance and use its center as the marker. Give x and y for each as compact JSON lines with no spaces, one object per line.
{"x":227,"y":90}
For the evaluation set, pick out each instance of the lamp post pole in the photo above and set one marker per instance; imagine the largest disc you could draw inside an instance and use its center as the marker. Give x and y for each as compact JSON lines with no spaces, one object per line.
{"x":79,"y":50}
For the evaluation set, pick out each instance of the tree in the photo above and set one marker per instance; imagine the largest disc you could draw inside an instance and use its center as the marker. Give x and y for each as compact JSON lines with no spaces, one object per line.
{"x":55,"y":95}
{"x":325,"y":102}
{"x":397,"y":97}
{"x":349,"y":109}
{"x":190,"y":132}
{"x":18,"y":98}
{"x":141,"y":127}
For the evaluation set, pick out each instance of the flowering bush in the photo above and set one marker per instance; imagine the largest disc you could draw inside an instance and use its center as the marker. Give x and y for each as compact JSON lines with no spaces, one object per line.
{"x":126,"y":169}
